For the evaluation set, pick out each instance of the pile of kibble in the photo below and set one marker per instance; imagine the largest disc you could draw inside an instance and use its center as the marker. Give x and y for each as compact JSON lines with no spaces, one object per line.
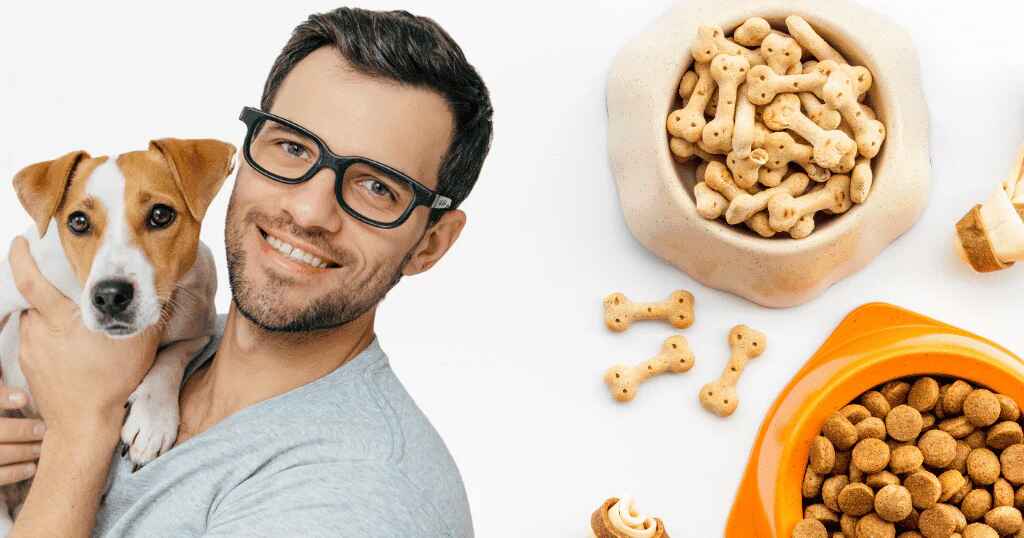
{"x":919,"y":457}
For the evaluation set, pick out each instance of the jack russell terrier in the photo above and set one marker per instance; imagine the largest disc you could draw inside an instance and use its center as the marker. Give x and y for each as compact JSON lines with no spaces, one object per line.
{"x":120,"y":237}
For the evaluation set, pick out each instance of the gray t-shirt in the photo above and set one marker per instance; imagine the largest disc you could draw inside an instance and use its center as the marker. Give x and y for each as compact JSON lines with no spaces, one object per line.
{"x":348,"y":455}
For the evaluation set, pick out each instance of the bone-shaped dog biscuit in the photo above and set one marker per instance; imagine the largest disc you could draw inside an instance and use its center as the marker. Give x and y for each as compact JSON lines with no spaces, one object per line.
{"x":832,"y":149}
{"x":687,"y":84}
{"x":711,"y":42}
{"x":820,"y":113}
{"x":784,"y":210}
{"x":710,"y":204}
{"x":839,"y":92}
{"x":783,"y":149}
{"x":624,"y":381}
{"x":745,"y":205}
{"x":744,"y":171}
{"x":763,"y":84}
{"x":803,"y":227}
{"x":860,"y":181}
{"x":684,"y":151}
{"x":720,"y":396}
{"x":744,"y":132}
{"x":717,"y":177}
{"x":780,"y":52}
{"x":752,"y":32}
{"x":620,"y":312}
{"x":688,"y":122}
{"x":728,"y":72}
{"x":811,"y":41}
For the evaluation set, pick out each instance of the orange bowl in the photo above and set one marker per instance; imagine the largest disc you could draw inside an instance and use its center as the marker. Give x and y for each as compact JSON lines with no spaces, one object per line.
{"x":874,"y":344}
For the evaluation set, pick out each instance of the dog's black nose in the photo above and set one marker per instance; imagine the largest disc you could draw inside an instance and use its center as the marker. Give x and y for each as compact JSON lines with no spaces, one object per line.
{"x":112,"y":296}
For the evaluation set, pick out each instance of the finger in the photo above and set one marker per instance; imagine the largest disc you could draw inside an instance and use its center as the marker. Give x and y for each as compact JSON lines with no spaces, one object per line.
{"x":31,"y":283}
{"x":11,"y":398}
{"x":19,"y":453}
{"x":11,"y":474}
{"x":21,"y":430}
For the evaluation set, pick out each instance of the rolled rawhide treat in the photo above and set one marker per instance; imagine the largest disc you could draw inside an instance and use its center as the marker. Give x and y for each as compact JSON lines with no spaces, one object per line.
{"x":990,"y":237}
{"x":619,"y":519}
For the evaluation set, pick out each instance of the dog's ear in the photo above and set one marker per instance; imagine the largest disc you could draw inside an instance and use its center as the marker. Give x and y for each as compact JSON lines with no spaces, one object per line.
{"x":41,"y":186}
{"x":199,"y":167}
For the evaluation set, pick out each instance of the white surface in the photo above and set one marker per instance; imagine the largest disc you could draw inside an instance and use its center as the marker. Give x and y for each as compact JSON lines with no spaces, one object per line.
{"x":503,"y":344}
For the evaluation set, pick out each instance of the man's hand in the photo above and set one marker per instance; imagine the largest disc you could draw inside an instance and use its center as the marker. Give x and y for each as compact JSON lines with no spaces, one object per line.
{"x":79,"y":379}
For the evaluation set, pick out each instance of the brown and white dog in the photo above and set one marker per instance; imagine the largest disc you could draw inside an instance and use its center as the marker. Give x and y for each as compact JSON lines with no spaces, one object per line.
{"x":120,"y":236}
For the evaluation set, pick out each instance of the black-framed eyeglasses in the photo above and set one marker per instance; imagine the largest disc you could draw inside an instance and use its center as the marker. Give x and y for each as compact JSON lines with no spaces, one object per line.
{"x":370,"y":191}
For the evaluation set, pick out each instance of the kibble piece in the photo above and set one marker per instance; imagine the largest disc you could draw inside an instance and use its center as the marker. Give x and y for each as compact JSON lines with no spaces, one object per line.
{"x":940,"y":410}
{"x":876,"y":403}
{"x":976,"y":504}
{"x":1004,"y":434}
{"x":951,"y":481}
{"x":1004,"y":519}
{"x":1002,"y":493}
{"x":855,"y":413}
{"x":980,"y":530}
{"x":823,"y":455}
{"x":910,"y":522}
{"x":871,"y":455}
{"x":927,"y":421}
{"x":981,"y":407}
{"x":895,"y":392}
{"x":893,"y":503}
{"x":1008,"y":409}
{"x":881,"y":479}
{"x":855,"y":474}
{"x":938,"y":521}
{"x":924,"y":394}
{"x":905,"y":459}
{"x":983,"y":466}
{"x":840,"y":431}
{"x":872,"y":526}
{"x":812,"y":484}
{"x":906,"y":534}
{"x":856,"y":499}
{"x":848,"y":524}
{"x":822,"y":513}
{"x":842,"y":465}
{"x":960,"y":460}
{"x":1012,"y":464}
{"x":958,"y":427}
{"x":924,"y":488}
{"x":830,"y":490}
{"x":976,"y":439}
{"x":871,"y":428}
{"x":810,"y":528}
{"x":938,"y":448}
{"x":1018,"y":498}
{"x":958,"y":497}
{"x":953,"y":399}
{"x":903,"y":423}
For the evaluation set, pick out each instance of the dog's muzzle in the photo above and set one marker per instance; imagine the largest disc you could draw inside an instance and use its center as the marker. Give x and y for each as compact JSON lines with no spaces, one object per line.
{"x":112,"y":297}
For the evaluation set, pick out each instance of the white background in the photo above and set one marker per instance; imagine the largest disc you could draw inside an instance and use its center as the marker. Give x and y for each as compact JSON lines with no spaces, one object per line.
{"x":503,"y":343}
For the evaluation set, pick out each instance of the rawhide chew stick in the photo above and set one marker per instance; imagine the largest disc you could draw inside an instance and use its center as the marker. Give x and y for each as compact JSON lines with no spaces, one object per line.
{"x":624,"y":381}
{"x":620,"y":519}
{"x":720,"y":396}
{"x":620,"y":312}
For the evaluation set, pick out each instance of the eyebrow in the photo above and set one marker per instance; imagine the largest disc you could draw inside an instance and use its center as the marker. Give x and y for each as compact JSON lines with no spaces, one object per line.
{"x":275,"y":126}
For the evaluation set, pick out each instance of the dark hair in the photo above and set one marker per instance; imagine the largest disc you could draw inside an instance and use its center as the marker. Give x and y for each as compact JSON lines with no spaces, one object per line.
{"x":408,"y":49}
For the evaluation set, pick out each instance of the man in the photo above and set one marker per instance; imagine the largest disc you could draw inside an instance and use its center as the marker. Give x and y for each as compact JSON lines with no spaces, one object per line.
{"x":292,"y":422}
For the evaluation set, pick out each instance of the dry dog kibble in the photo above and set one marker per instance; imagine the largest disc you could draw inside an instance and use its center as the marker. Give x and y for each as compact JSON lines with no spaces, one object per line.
{"x":856,"y":499}
{"x":720,"y":396}
{"x":927,"y":457}
{"x":1004,"y":519}
{"x":623,"y":381}
{"x":810,"y":528}
{"x":620,"y":312}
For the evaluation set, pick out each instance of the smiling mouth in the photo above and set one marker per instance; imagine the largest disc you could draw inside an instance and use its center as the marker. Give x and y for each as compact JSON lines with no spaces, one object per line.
{"x":296,"y":253}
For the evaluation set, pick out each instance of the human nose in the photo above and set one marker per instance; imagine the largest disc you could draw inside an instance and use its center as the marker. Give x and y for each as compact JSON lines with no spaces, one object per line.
{"x":312,"y":204}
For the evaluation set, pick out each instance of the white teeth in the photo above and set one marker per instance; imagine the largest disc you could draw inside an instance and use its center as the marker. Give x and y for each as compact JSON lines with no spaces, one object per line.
{"x":295,"y":253}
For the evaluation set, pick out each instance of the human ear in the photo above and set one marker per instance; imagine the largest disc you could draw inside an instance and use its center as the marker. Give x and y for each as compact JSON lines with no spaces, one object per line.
{"x":435,"y":242}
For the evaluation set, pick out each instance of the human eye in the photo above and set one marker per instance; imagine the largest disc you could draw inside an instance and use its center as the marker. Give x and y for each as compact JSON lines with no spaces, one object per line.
{"x":377,"y":188}
{"x":293,"y":148}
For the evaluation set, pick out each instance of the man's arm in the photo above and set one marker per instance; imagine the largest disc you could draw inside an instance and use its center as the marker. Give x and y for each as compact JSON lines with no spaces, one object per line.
{"x":69,"y":482}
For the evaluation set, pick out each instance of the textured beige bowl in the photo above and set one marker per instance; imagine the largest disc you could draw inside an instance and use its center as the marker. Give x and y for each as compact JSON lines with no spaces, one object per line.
{"x":657,"y":194}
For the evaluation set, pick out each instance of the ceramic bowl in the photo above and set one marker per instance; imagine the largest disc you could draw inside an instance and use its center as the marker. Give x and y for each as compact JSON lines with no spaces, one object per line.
{"x":656,"y":193}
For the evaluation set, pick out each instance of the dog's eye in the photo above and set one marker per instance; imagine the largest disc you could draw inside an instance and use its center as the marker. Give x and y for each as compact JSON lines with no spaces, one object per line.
{"x":161,"y":216}
{"x":78,"y":223}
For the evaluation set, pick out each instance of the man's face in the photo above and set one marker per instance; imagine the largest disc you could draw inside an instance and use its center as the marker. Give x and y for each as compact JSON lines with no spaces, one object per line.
{"x":404,"y":127}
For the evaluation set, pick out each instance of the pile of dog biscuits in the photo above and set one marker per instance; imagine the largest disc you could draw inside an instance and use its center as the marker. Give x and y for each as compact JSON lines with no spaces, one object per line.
{"x":925,"y":457}
{"x":780,"y":139}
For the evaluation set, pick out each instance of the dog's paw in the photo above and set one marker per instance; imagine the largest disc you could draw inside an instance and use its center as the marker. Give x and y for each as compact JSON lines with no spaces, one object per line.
{"x":151,"y":426}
